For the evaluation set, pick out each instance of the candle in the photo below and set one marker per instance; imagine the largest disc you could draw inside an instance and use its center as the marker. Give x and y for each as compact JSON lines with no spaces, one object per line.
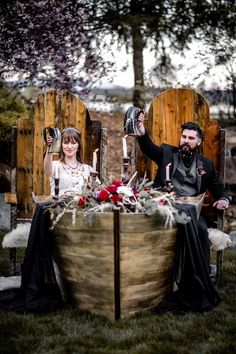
{"x":168,"y":172}
{"x":125,"y":153}
{"x":95,"y":160}
{"x":56,"y":170}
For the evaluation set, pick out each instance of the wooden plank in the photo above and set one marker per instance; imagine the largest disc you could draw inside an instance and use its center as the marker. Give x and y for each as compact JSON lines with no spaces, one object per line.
{"x":103,"y":154}
{"x":13,"y":157}
{"x":147,"y":261}
{"x":87,"y":263}
{"x":81,"y":114}
{"x":185,"y":103}
{"x":212,"y":144}
{"x":168,"y":115}
{"x":49,"y":103}
{"x":10,"y":198}
{"x":38,"y":149}
{"x":68,"y":110}
{"x":24,"y":166}
{"x":13,"y":179}
{"x":222,"y":165}
{"x":117,"y":262}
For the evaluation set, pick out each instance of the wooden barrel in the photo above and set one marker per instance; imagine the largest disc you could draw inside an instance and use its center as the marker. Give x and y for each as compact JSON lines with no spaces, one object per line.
{"x":118,"y":266}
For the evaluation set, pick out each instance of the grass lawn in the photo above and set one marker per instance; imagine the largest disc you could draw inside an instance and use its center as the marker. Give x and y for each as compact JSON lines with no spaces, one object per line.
{"x":74,"y":331}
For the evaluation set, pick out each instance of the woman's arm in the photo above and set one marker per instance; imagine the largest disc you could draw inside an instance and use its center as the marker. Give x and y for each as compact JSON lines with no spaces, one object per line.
{"x":47,"y":163}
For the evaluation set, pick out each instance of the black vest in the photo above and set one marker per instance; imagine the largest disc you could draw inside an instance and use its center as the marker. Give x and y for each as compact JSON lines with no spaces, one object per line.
{"x":184,"y":179}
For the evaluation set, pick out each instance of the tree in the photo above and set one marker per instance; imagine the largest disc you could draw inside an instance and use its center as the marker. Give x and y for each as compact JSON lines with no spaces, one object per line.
{"x":139,"y":23}
{"x":12,"y":107}
{"x":223,"y":50}
{"x":49,"y":43}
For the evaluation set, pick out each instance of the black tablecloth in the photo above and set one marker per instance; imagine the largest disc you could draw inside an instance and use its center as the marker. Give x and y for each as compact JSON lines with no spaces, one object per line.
{"x":195,"y":291}
{"x":39,"y":291}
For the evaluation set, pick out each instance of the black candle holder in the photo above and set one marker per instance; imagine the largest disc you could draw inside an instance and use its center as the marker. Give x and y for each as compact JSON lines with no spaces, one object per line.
{"x":125,"y":173}
{"x":94,"y":176}
{"x":56,"y":189}
{"x":168,"y":186}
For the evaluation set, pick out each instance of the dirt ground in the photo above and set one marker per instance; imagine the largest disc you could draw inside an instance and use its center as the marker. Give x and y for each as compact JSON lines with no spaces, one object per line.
{"x":114,"y":123}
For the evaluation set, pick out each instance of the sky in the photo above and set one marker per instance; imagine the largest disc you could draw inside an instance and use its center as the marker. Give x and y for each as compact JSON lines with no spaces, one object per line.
{"x":192,"y":67}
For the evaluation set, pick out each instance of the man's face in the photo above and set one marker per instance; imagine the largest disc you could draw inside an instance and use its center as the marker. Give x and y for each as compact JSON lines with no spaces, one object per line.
{"x":189,"y":140}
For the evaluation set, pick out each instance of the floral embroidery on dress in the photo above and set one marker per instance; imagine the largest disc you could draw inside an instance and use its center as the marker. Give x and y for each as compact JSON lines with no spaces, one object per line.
{"x":71,"y":179}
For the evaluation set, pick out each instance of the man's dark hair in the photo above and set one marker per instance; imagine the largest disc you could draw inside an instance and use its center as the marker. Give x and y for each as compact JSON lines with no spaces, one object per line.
{"x":193,"y":126}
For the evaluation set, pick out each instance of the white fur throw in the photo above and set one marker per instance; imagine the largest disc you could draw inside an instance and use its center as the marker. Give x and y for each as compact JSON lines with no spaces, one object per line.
{"x":17,"y":237}
{"x":10,"y":282}
{"x":218,"y":239}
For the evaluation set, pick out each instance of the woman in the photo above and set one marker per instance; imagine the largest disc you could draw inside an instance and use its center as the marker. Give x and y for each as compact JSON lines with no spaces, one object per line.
{"x":73,"y":174}
{"x":39,"y":291}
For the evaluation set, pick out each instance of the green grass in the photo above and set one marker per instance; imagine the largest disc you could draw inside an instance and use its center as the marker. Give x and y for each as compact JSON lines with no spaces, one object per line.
{"x":74,"y":331}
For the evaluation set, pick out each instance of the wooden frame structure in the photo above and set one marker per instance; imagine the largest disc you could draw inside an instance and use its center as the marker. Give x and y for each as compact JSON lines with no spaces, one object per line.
{"x":116,"y":266}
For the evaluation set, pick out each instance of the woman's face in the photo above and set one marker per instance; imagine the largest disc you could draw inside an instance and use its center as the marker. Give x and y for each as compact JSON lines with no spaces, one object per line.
{"x":69,"y":147}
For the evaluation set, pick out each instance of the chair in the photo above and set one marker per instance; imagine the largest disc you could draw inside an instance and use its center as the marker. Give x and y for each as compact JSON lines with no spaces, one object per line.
{"x":57,"y":109}
{"x":166,"y":114}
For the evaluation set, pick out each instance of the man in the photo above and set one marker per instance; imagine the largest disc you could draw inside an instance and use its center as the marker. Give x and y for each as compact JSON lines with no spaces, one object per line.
{"x":191,"y":174}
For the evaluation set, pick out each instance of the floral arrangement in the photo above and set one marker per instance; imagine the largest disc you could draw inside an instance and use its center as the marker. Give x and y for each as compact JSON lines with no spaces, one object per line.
{"x":138,"y":198}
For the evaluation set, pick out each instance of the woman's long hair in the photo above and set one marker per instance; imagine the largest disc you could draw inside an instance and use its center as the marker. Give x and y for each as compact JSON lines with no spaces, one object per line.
{"x":72,"y":135}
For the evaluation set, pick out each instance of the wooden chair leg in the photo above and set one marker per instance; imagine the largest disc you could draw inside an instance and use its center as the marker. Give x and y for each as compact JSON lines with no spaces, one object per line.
{"x":219,"y":267}
{"x":12,"y":257}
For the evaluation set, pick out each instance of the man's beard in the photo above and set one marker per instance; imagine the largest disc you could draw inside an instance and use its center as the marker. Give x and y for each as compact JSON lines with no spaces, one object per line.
{"x":187,"y":153}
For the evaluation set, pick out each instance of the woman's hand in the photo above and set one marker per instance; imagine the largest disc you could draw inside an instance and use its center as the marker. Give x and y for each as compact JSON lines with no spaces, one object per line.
{"x":49,"y":140}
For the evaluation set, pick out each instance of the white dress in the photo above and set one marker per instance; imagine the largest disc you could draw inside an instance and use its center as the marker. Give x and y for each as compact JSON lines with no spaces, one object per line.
{"x":70,"y":179}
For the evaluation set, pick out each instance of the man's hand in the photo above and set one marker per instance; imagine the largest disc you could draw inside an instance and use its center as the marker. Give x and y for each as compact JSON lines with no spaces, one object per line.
{"x":140,"y":124}
{"x":221,"y":204}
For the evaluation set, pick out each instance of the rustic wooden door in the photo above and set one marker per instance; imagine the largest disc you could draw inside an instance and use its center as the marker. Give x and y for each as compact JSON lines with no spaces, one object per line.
{"x":59,"y":109}
{"x":168,"y":112}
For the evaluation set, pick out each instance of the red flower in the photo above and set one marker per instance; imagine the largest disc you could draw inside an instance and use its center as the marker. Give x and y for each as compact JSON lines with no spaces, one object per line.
{"x":112,"y":188}
{"x":103,"y":195}
{"x":82,"y":201}
{"x":117,"y":183}
{"x":162,"y":202}
{"x":134,"y":189}
{"x":115,"y":198}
